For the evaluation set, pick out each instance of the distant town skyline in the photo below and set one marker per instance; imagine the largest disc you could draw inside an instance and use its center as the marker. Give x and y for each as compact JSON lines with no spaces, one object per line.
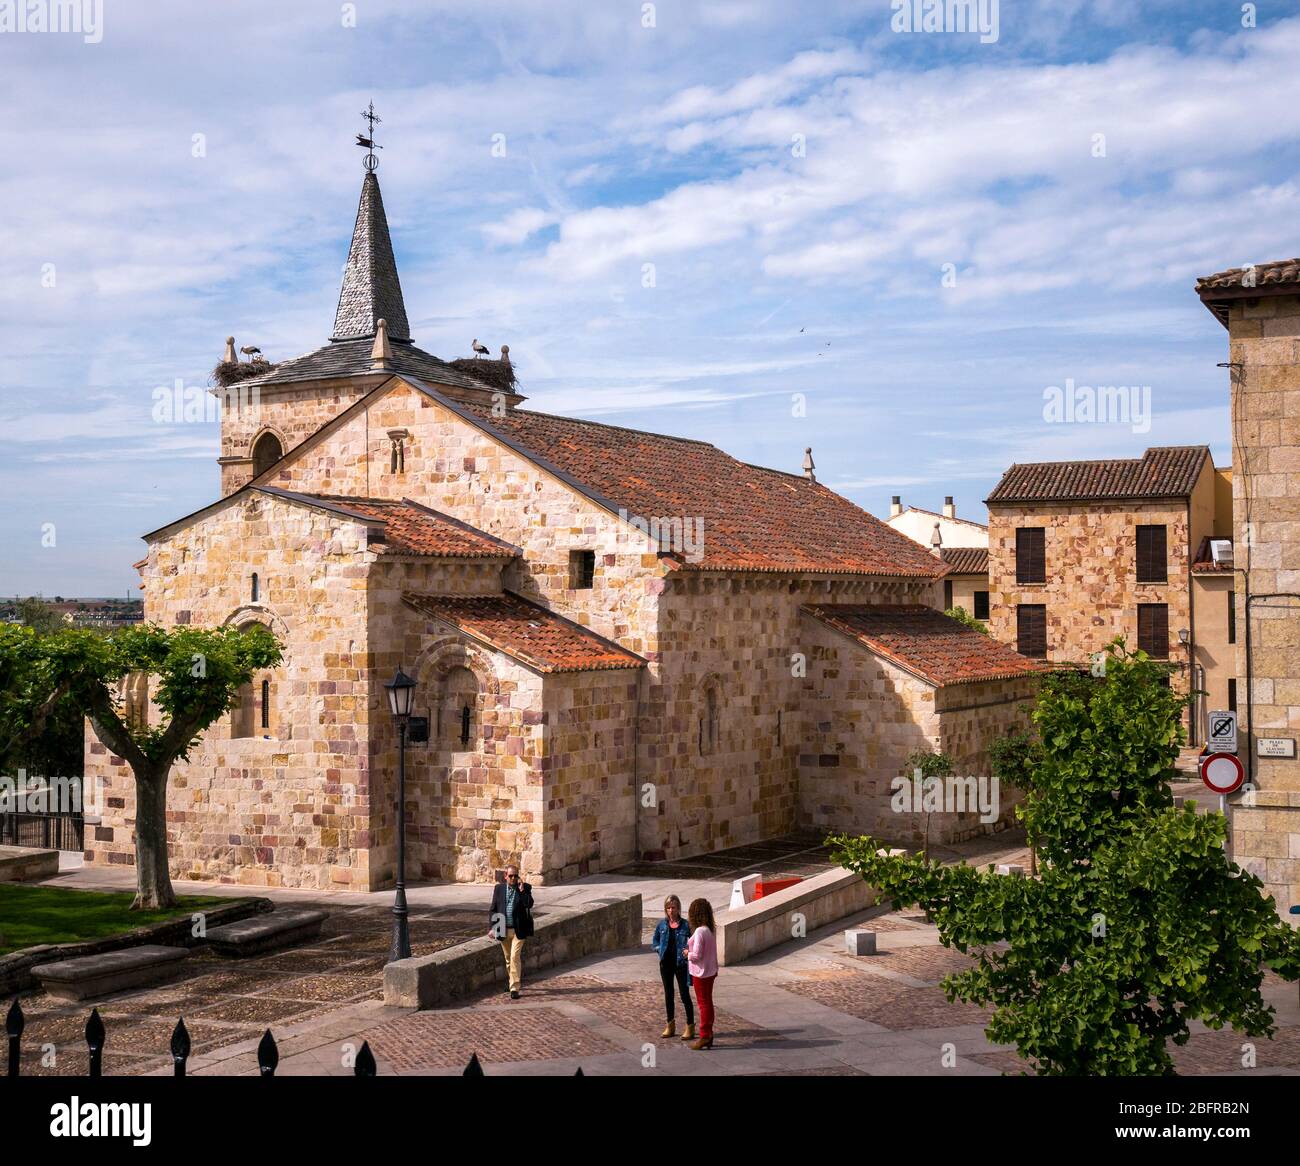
{"x":889,"y":247}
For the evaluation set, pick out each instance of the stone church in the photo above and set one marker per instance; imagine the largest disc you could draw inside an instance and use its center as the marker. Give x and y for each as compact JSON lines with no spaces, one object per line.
{"x":627,"y":645}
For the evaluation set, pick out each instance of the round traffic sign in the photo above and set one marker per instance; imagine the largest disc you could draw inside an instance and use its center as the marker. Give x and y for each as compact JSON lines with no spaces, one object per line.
{"x":1222,"y":772}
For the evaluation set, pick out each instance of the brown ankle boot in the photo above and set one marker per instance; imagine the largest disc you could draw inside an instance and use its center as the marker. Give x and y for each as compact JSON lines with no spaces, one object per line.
{"x":689,"y":1034}
{"x":671,"y":1030}
{"x":703,"y":1043}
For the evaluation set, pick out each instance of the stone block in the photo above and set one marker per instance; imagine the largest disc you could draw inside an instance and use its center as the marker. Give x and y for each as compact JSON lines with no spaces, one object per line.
{"x":89,"y":977}
{"x":283,"y":927}
{"x":860,"y":942}
{"x":20,"y":864}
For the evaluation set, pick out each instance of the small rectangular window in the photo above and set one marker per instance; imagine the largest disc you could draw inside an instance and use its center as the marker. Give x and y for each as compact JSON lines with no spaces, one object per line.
{"x":1153,"y":630}
{"x":947,"y":595}
{"x":1232,"y":617}
{"x":981,"y":605}
{"x":1031,"y":555}
{"x":1152,"y":554}
{"x":1031,"y":630}
{"x":582,"y":570}
{"x":1232,"y":694}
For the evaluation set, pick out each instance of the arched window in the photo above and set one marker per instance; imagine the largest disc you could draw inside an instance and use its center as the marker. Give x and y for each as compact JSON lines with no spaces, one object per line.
{"x":267,"y":450}
{"x":458,"y":710}
{"x":251,"y":712}
{"x":266,"y":704}
{"x":255,"y":590}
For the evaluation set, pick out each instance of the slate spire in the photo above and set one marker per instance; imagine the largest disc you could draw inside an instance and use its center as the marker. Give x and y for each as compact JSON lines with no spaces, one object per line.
{"x":371,"y":290}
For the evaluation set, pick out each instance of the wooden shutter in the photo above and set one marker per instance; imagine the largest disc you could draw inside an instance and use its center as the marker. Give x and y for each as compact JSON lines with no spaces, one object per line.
{"x":1031,"y":629}
{"x":1152,"y":554}
{"x":1031,"y":557}
{"x":1153,"y":629}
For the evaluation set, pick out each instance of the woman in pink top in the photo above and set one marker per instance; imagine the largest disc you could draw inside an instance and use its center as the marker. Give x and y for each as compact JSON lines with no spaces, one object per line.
{"x":702,"y":961}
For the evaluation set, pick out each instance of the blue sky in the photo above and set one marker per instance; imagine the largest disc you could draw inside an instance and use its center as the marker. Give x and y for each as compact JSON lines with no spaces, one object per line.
{"x":776,"y":271}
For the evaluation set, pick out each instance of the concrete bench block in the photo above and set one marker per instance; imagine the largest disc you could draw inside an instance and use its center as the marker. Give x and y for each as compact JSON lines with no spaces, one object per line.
{"x":1010,"y":868}
{"x":89,"y":977}
{"x":744,"y":890}
{"x":283,"y":927}
{"x":23,"y":864}
{"x":860,"y":942}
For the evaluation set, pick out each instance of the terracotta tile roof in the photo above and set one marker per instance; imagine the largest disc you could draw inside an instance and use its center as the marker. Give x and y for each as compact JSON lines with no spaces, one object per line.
{"x":534,"y":636}
{"x":405,"y":527}
{"x":925,"y":642}
{"x":1204,"y":558}
{"x":755,"y":519}
{"x":1219,"y":290}
{"x":966,"y":560}
{"x":1162,"y":472}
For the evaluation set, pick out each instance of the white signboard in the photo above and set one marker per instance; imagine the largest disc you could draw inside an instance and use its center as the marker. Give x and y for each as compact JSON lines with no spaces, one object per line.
{"x":1277,"y":746}
{"x":1223,"y":732}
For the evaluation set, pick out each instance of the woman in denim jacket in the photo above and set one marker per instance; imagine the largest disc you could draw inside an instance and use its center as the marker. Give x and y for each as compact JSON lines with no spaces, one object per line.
{"x":670,"y":946}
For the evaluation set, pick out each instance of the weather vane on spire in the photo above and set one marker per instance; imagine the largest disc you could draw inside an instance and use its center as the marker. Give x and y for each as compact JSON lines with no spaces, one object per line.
{"x":369,"y":141}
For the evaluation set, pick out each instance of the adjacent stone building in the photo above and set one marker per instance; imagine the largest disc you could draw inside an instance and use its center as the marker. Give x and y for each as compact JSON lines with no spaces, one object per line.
{"x":1260,"y":308}
{"x":626,"y":645}
{"x":1083,"y":552}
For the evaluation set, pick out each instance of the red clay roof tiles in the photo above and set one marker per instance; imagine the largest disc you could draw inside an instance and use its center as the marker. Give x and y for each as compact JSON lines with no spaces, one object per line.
{"x":536,"y":637}
{"x":966,"y":560}
{"x":925,"y":642}
{"x":754,"y":519}
{"x":407,"y":528}
{"x":1162,"y":472}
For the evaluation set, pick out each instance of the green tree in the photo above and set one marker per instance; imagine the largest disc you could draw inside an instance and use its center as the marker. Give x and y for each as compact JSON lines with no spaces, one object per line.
{"x":962,"y":616}
{"x":926,"y":766}
{"x":195,"y":676}
{"x":1138,"y":924}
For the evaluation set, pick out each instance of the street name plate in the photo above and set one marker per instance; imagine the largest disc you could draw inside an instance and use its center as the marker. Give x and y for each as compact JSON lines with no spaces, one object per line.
{"x":1277,"y":746}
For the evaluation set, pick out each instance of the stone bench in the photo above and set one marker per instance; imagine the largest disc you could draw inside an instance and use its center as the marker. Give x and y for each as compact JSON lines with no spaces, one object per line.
{"x":90,"y":976}
{"x":283,"y":927}
{"x":24,"y":864}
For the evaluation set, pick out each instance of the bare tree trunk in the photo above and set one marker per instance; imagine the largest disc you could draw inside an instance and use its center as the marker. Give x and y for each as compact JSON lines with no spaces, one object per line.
{"x":153,"y":879}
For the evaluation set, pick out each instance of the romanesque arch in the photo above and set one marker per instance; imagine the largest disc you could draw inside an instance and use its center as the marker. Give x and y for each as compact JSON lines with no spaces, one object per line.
{"x":266,"y":450}
{"x":257,"y":712}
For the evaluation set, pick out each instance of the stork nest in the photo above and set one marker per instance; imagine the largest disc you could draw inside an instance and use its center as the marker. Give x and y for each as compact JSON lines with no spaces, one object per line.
{"x":232,"y":372}
{"x":498,"y":374}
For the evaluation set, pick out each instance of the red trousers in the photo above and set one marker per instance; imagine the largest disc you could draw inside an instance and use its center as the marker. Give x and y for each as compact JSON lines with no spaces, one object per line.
{"x":704,"y":998}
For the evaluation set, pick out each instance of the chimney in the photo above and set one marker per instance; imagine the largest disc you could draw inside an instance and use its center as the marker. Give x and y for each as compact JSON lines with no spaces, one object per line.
{"x":936,"y":543}
{"x":381,"y":354}
{"x":895,"y":506}
{"x":949,"y":510}
{"x":808,"y":466}
{"x":230,"y":357}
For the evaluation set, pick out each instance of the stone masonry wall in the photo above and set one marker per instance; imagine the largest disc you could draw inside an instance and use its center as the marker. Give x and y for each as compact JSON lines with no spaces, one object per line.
{"x":1265,"y":342}
{"x":1091,"y":593}
{"x":289,"y":805}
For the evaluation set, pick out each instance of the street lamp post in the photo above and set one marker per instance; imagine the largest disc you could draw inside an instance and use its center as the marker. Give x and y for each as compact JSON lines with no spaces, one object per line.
{"x":401,"y":697}
{"x":1185,"y":638}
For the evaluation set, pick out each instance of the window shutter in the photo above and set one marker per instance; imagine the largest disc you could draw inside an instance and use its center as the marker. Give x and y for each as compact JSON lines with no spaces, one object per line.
{"x":1152,"y":554}
{"x":1031,"y":629}
{"x":1031,"y":557}
{"x":1153,"y":630}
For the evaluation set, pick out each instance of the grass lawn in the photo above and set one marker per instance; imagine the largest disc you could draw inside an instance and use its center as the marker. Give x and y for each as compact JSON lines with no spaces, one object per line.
{"x":32,"y":915}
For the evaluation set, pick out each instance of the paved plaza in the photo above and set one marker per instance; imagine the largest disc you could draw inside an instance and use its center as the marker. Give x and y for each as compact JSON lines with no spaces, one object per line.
{"x":806,"y":1007}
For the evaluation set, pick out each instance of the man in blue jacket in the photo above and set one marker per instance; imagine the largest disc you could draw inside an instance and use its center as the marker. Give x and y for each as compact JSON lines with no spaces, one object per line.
{"x":510,"y":920}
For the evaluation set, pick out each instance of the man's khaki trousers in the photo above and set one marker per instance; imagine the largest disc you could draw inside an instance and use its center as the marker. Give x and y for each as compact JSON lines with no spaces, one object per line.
{"x":512,"y":948}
